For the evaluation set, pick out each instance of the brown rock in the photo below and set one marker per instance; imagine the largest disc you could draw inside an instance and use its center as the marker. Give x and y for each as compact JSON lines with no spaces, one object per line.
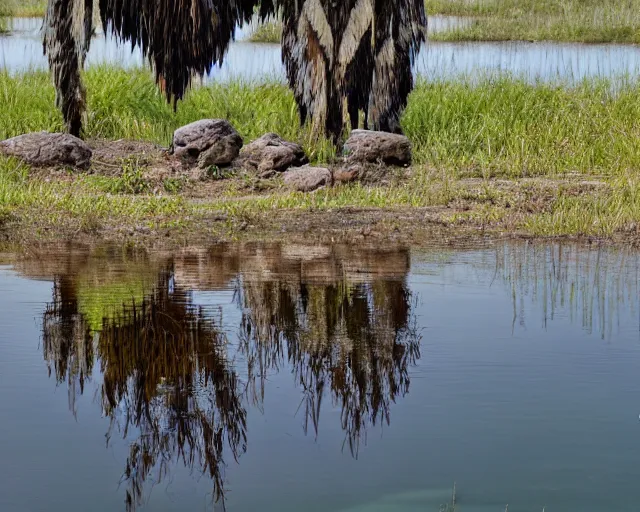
{"x":369,"y":146}
{"x":207,"y":142}
{"x":307,"y":179}
{"x":271,"y":153}
{"x":44,"y":149}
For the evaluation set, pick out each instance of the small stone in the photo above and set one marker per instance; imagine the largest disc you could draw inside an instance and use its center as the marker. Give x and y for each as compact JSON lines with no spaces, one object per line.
{"x":307,"y":179}
{"x":370,"y":146}
{"x":208,"y":142}
{"x":44,"y":149}
{"x":271,"y":153}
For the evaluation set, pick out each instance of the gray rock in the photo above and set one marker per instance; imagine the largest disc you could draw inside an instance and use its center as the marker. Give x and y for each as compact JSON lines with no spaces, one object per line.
{"x":207,"y":142}
{"x":307,"y":179}
{"x":44,"y":149}
{"x":270,"y":153}
{"x":370,"y":146}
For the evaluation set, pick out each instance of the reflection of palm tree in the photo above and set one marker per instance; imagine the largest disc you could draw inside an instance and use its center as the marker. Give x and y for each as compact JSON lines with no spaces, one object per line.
{"x":355,"y":341}
{"x":166,"y":375}
{"x":66,"y":339}
{"x":341,"y":321}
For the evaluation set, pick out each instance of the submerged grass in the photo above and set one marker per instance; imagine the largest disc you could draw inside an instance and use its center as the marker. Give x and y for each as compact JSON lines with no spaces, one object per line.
{"x":497,"y":152}
{"x":588,"y":21}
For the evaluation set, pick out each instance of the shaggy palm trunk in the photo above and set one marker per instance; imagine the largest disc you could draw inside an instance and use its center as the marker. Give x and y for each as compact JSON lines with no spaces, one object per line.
{"x":67,"y":36}
{"x":400,"y":32}
{"x":358,"y":51}
{"x":353,"y":52}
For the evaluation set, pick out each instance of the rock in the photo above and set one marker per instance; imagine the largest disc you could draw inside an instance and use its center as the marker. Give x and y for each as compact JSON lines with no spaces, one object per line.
{"x":207,"y":142}
{"x":307,"y":179}
{"x":271,"y":153}
{"x":370,"y":146}
{"x":44,"y":149}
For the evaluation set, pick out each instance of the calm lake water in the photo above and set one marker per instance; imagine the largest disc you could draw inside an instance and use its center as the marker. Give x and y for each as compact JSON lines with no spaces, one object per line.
{"x":21,"y":51}
{"x":321,"y":378}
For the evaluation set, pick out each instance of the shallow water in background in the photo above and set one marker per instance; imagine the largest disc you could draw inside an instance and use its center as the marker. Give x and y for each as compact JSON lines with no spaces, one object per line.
{"x":321,"y":378}
{"x":21,"y":51}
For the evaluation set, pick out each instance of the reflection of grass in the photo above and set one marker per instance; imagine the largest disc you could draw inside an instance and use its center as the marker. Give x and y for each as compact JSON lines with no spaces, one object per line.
{"x":592,"y":285}
{"x":588,"y":21}
{"x":105,"y":301}
{"x":103,"y":289}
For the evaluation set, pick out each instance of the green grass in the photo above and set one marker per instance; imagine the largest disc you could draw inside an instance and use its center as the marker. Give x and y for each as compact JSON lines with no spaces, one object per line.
{"x":541,"y":140}
{"x":268,"y":32}
{"x":128,"y":105}
{"x":588,"y":21}
{"x":615,"y":211}
{"x":507,"y":127}
{"x":495,"y":127}
{"x":47,"y":204}
{"x":23,"y":8}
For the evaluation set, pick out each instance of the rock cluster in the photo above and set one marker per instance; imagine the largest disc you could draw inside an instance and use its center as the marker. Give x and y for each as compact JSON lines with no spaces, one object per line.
{"x":215,"y":142}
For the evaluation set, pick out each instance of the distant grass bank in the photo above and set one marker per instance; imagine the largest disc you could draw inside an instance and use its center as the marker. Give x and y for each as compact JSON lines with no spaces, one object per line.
{"x":499,"y":154}
{"x":587,"y":21}
{"x":23,"y":8}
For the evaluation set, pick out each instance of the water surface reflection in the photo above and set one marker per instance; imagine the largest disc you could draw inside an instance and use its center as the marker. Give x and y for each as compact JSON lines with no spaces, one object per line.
{"x":170,"y":383}
{"x":481,"y":361}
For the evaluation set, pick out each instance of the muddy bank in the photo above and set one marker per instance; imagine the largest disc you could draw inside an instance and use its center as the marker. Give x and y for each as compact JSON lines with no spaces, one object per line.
{"x":136,"y":194}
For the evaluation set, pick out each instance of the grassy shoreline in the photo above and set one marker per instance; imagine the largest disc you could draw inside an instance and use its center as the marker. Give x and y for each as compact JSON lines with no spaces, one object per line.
{"x":494,"y":156}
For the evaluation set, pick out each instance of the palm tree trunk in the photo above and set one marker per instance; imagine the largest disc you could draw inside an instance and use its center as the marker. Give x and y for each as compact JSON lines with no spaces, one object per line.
{"x":67,"y":36}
